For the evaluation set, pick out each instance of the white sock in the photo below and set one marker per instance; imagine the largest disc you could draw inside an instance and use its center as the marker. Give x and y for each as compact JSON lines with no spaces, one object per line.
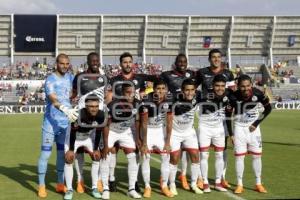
{"x":199,"y":169}
{"x":184,"y":163}
{"x":219,"y":165}
{"x":99,"y":172}
{"x":239,"y":167}
{"x":257,"y":168}
{"x":173,"y":172}
{"x":132,"y":170}
{"x":204,"y":165}
{"x":165,"y":168}
{"x":104,"y":168}
{"x":225,"y":164}
{"x":112,"y":166}
{"x":94,"y":173}
{"x":146,"y":170}
{"x":69,"y":175}
{"x":194,"y":173}
{"x":78,"y":163}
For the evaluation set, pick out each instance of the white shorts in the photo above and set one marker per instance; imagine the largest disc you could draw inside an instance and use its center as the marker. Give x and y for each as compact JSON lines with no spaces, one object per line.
{"x":156,"y":139}
{"x":125,"y":139}
{"x":88,"y":144}
{"x":186,"y":140}
{"x":211,"y":136}
{"x":246,"y":141}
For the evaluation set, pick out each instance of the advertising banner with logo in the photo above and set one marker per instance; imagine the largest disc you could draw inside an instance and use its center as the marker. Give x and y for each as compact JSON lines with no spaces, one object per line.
{"x":35,"y":33}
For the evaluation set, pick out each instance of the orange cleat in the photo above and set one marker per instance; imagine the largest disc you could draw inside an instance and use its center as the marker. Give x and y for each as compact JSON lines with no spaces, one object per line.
{"x":200,"y":183}
{"x":147,"y":192}
{"x":42,"y":191}
{"x":167,"y":192}
{"x":239,"y":189}
{"x":260,"y":188}
{"x":184,"y":182}
{"x":61,"y":188}
{"x":80,"y":187}
{"x":225,"y":184}
{"x":100,"y":186}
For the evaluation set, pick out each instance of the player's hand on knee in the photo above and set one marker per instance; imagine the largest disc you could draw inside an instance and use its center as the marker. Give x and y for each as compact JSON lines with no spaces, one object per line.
{"x":252,"y":128}
{"x":69,"y":157}
{"x":144,"y":149}
{"x":104,"y":152}
{"x":167,"y":148}
{"x":232,"y":140}
{"x":96,"y":155}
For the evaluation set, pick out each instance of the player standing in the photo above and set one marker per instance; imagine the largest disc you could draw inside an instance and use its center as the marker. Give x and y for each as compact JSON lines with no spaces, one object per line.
{"x":58,"y":88}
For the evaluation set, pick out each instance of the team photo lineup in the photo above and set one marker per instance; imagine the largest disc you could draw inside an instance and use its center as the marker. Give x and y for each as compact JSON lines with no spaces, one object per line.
{"x":180,"y":115}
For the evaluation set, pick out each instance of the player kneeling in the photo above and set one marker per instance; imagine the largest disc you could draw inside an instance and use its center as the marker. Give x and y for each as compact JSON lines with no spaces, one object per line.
{"x":211,"y":116}
{"x":180,"y":125}
{"x":81,"y":135}
{"x":153,"y":120}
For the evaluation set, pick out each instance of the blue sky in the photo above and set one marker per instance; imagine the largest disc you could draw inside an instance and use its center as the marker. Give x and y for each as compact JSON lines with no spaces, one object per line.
{"x":174,"y":7}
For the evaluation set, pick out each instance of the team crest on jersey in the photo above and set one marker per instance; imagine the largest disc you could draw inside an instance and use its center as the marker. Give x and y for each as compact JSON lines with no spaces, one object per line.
{"x":188,"y":75}
{"x":165,"y":106}
{"x":100,"y":79}
{"x":135,"y":82}
{"x":134,"y":111}
{"x":145,"y":110}
{"x":194,"y":101}
{"x":225,"y":99}
{"x":254,"y":98}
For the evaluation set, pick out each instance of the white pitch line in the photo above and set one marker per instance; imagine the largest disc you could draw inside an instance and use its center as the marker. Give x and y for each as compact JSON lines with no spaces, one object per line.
{"x":229,"y":194}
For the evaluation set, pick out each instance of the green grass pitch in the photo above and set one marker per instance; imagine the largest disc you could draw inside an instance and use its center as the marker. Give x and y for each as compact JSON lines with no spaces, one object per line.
{"x":20,"y":147}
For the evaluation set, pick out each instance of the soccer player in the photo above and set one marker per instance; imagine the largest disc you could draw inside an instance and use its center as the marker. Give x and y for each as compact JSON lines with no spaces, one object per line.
{"x":123,"y":114}
{"x":183,"y":135}
{"x":211,"y":130}
{"x":58,"y":89}
{"x":154,"y":139}
{"x":174,"y":79}
{"x":82,"y":135}
{"x":246,"y":103}
{"x":115,"y":91}
{"x":205,"y":77}
{"x":92,"y":81}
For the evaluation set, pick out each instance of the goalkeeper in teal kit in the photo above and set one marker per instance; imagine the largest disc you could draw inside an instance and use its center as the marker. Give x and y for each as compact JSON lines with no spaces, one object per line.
{"x":58,"y":114}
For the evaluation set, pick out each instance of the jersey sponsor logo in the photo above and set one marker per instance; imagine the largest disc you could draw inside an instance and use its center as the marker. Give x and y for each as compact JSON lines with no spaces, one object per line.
{"x":207,"y":76}
{"x":174,"y":75}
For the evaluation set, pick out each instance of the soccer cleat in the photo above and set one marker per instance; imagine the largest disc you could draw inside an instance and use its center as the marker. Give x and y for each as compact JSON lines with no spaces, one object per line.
{"x":200,"y":183}
{"x":239,"y":189}
{"x":42,"y":192}
{"x":61,"y":188}
{"x":184,"y":182}
{"x":173,"y":190}
{"x":196,"y":190}
{"x":206,"y":188}
{"x":133,"y":194}
{"x":219,"y":187}
{"x":167,"y":192}
{"x":68,"y":195}
{"x":80,"y":187}
{"x":100,"y":186}
{"x":225,"y":184}
{"x":137,"y":187}
{"x":96,"y":194}
{"x":105,"y":194}
{"x":112,"y":186}
{"x":260,"y":188}
{"x":147,"y":192}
